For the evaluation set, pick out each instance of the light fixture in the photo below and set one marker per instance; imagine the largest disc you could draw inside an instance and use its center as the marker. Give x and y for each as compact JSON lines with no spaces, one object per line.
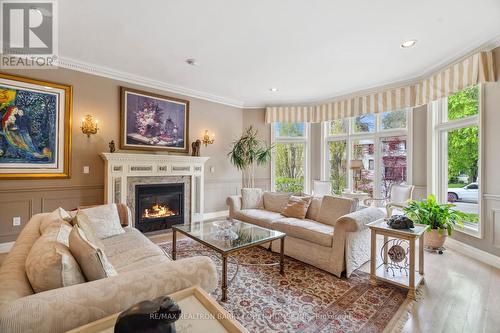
{"x":408,"y":43}
{"x":273,"y":89}
{"x":207,"y":140}
{"x":357,"y":166}
{"x":89,"y":125}
{"x":192,"y":62}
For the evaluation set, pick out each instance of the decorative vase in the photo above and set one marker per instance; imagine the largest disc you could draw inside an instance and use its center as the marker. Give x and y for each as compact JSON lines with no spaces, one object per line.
{"x":433,"y":239}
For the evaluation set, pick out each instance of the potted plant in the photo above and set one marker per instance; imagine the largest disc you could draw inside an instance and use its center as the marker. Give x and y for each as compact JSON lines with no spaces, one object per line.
{"x":441,"y":217}
{"x":247,"y":152}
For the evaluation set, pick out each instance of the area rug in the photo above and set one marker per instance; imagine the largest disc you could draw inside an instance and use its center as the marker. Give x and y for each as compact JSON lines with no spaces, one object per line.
{"x":305,"y":299}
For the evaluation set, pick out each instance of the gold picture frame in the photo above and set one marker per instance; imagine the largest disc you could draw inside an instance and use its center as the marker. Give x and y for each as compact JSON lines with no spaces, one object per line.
{"x":169,"y":118}
{"x":35,"y":125}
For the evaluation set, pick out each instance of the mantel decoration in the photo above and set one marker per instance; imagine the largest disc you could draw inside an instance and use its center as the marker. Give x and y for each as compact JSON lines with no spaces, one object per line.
{"x":247,"y":152}
{"x":35,"y":131}
{"x":89,"y":125}
{"x":153,"y":122}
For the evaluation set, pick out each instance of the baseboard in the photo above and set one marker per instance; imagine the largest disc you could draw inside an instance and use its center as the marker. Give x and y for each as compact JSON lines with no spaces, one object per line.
{"x":5,"y":247}
{"x":475,"y":253}
{"x":213,"y":215}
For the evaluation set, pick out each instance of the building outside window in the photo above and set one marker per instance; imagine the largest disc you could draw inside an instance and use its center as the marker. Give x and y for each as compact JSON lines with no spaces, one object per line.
{"x":290,"y":158}
{"x":380,"y":141}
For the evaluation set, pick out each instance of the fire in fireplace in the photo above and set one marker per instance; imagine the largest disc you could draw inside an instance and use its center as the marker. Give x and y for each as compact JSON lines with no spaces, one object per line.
{"x":158,"y":206}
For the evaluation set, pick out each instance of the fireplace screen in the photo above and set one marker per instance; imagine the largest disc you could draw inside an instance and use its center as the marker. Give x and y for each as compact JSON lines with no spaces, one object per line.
{"x":159,"y":206}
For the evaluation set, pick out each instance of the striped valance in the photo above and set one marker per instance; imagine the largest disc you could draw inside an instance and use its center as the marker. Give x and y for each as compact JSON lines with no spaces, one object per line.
{"x":477,"y":68}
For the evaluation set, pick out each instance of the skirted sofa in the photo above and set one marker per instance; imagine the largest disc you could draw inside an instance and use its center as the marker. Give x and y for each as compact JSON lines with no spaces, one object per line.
{"x":143,"y":270}
{"x":333,"y":236}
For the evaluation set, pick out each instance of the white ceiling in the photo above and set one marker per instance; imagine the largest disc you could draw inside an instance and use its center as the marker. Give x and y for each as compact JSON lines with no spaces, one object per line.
{"x":310,"y":49}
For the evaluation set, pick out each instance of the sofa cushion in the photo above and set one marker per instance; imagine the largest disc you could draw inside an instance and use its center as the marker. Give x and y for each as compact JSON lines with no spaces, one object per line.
{"x":104,"y":220}
{"x":83,"y":223}
{"x":333,"y":207}
{"x":50,"y":264}
{"x":251,"y":198}
{"x":92,"y":260}
{"x":308,"y":230}
{"x":314,"y":206}
{"x":258,"y":217}
{"x":132,"y":250}
{"x":296,"y":207}
{"x":56,"y":217}
{"x":275,"y":202}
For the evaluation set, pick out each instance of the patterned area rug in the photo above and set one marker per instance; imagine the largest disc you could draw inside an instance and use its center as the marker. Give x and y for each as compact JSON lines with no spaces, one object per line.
{"x":305,"y":299}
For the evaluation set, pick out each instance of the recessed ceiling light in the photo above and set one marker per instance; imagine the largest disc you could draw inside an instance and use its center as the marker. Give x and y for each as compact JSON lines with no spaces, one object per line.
{"x":273,"y":89}
{"x":408,"y":43}
{"x":192,"y":62}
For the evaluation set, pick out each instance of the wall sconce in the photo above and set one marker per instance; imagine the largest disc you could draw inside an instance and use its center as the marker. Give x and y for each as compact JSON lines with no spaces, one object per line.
{"x":207,"y":140}
{"x":89,"y":125}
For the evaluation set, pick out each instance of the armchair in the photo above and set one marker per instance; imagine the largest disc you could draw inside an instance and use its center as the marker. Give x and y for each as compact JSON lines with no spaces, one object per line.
{"x":400,"y":195}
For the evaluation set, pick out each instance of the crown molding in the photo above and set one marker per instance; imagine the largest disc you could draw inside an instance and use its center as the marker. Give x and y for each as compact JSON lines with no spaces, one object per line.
{"x":114,"y":74}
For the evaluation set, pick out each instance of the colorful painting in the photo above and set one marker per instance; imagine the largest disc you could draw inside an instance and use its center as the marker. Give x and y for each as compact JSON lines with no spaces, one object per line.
{"x":35,"y":139}
{"x":153,"y":122}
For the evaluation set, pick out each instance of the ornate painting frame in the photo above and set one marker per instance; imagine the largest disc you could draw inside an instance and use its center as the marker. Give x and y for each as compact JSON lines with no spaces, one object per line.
{"x":153,"y":122}
{"x":35,"y":128}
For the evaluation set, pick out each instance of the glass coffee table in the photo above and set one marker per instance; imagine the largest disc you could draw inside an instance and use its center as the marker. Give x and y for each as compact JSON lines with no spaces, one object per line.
{"x":226,"y":237}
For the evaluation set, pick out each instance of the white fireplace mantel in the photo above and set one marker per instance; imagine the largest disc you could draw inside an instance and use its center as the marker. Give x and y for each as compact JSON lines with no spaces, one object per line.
{"x":120,"y":166}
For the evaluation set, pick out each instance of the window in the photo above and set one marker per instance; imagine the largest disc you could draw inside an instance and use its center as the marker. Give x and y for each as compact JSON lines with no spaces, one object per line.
{"x":456,"y":153}
{"x":378,"y":141}
{"x":290,"y":157}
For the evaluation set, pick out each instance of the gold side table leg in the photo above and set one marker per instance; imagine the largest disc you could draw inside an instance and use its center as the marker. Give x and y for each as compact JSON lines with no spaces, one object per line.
{"x":174,"y":244}
{"x":224,"y":278}
{"x":282,"y":256}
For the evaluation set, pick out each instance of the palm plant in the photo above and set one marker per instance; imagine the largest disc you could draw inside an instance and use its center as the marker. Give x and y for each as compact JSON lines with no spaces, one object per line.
{"x":438,"y":216}
{"x":248,"y":152}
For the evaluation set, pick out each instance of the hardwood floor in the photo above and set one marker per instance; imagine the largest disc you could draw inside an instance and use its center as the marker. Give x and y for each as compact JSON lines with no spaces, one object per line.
{"x":460,"y":294}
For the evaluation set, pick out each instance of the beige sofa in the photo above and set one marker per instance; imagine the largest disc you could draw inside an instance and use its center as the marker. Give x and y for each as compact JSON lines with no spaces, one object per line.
{"x":342,"y":244}
{"x":144,"y":272}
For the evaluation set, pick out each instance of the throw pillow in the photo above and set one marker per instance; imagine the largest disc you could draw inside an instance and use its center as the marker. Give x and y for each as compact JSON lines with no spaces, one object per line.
{"x":84,"y":223}
{"x":251,"y":198}
{"x":275,"y":202}
{"x":333,"y":207}
{"x":56,"y":217}
{"x":297,"y":207}
{"x":313,"y":210}
{"x":92,"y":260}
{"x":50,"y":264}
{"x":104,"y":220}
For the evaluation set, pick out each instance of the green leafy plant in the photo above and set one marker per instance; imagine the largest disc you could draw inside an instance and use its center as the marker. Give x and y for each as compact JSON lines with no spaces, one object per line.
{"x":438,"y":216}
{"x":247,"y":152}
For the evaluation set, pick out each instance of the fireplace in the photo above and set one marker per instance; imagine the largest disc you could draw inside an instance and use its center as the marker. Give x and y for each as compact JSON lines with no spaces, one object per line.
{"x":158,"y":206}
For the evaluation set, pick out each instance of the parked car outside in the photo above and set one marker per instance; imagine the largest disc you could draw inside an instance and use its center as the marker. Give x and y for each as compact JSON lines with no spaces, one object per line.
{"x":468,"y":193}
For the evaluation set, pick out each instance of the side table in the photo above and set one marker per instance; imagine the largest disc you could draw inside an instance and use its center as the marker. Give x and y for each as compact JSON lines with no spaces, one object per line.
{"x":398,"y":263}
{"x":359,"y":197}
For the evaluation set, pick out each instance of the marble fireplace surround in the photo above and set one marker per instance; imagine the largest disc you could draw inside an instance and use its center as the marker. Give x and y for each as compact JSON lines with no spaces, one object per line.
{"x":123,"y":171}
{"x":186,"y":180}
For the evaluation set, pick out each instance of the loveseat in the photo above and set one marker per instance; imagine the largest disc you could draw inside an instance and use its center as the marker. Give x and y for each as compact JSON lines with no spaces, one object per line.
{"x":144,"y":272}
{"x":333,"y":236}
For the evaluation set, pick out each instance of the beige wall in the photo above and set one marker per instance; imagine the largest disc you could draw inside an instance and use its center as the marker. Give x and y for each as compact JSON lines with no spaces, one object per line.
{"x":99,"y":96}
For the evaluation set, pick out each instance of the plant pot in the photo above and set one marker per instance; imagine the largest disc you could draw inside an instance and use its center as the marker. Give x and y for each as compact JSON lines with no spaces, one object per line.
{"x":433,"y":239}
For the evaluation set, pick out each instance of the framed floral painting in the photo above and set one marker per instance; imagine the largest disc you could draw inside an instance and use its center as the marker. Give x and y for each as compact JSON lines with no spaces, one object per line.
{"x":153,"y":122}
{"x":35,"y":128}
